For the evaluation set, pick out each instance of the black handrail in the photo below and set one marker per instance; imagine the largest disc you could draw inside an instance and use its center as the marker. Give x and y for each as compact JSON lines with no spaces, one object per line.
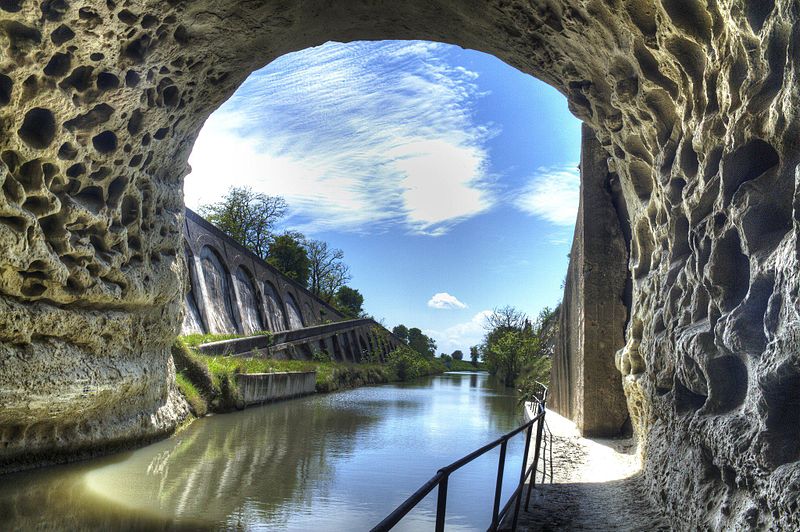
{"x":442,"y":476}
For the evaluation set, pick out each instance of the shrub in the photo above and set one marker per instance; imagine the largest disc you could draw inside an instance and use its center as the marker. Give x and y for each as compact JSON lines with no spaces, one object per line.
{"x":192,"y":395}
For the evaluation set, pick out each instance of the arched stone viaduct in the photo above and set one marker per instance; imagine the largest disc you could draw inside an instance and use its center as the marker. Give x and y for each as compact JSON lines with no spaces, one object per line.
{"x":694,"y":104}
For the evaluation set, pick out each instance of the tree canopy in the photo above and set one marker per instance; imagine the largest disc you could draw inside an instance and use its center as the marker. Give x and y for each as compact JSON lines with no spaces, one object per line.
{"x":287,"y":254}
{"x":421,"y":343}
{"x":327,"y":272}
{"x":248,"y":217}
{"x":514,"y":347}
{"x":401,"y":331}
{"x":349,"y":302}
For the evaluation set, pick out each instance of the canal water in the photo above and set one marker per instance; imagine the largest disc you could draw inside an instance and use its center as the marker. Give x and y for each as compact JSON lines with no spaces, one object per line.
{"x":341,"y":461}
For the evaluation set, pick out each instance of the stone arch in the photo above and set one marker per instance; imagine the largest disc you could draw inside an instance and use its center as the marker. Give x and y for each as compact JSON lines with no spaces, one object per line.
{"x":248,"y":300}
{"x":697,"y":116}
{"x":308,"y":313}
{"x":217,"y":304}
{"x":293,"y":314}
{"x":192,"y":319}
{"x":274,"y":305}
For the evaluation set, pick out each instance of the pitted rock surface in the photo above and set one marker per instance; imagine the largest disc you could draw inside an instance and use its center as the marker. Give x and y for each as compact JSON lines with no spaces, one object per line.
{"x":695,"y":101}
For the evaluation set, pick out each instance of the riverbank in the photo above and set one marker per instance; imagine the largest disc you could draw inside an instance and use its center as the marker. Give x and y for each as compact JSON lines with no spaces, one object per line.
{"x":209,"y":383}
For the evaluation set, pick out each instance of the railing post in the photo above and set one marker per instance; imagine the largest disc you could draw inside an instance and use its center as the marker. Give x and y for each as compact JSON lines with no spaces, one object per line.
{"x":528,"y":434}
{"x":441,"y":503}
{"x":498,"y":490}
{"x":536,"y":449}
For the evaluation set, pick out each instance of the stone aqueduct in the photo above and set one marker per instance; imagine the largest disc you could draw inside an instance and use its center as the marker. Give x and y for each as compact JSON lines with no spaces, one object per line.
{"x":694,"y":104}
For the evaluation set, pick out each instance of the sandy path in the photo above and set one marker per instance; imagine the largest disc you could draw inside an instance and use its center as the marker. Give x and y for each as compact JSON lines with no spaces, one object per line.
{"x":596,"y":486}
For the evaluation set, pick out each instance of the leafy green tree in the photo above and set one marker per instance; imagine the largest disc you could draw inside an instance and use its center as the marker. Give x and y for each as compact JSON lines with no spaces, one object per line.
{"x":287,"y":254}
{"x":457,"y":354}
{"x":349,"y":302}
{"x":247,"y":216}
{"x":401,"y":331}
{"x":421,"y":343}
{"x":513,"y":346}
{"x":474,"y":354}
{"x":508,"y":355}
{"x":328,"y":272}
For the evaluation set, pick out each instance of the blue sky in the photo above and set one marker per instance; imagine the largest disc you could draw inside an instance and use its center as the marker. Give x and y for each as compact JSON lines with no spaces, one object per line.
{"x":448,"y":178}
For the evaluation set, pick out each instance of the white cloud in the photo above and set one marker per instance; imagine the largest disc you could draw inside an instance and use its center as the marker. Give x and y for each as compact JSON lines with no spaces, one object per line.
{"x":355,"y":137}
{"x":462,"y":335}
{"x":552,"y":194}
{"x":443,"y":300}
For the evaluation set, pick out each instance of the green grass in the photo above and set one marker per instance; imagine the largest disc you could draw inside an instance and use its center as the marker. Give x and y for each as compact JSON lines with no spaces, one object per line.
{"x":192,"y":395}
{"x":463,"y":365}
{"x":210,"y":381}
{"x":330,"y":375}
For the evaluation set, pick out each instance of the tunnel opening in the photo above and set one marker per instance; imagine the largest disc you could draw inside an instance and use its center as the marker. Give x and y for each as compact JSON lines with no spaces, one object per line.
{"x":663,"y":92}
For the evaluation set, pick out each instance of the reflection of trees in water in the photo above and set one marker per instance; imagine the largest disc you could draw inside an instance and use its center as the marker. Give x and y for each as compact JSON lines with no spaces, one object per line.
{"x":57,"y":499}
{"x":265,"y":458}
{"x":261,"y":465}
{"x":247,"y":467}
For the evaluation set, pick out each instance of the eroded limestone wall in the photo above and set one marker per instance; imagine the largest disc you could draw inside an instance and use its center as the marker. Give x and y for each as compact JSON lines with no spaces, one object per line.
{"x":695,"y":102}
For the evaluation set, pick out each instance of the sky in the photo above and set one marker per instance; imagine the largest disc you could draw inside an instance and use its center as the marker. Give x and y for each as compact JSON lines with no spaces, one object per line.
{"x":448,"y":178}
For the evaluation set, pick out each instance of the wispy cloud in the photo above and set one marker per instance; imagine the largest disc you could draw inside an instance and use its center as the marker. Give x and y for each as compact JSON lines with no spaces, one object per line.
{"x":356,"y":137}
{"x":443,"y":300}
{"x":552,"y":194}
{"x":462,"y":335}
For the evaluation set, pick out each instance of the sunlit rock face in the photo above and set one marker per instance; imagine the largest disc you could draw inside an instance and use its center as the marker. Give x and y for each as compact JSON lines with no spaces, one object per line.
{"x":695,"y":102}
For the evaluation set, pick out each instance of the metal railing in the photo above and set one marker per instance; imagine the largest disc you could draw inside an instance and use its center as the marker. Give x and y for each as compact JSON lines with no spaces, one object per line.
{"x":440,"y":479}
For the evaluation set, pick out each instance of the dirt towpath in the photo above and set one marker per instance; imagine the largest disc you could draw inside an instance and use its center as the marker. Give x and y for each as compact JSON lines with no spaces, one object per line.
{"x":596,"y":486}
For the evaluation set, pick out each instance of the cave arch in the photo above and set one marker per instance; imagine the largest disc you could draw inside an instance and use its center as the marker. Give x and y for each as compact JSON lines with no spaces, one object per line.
{"x":96,"y":127}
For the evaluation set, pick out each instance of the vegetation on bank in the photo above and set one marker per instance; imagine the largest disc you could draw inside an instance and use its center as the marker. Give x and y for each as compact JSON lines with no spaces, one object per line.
{"x":519,"y":351}
{"x":209,"y":382}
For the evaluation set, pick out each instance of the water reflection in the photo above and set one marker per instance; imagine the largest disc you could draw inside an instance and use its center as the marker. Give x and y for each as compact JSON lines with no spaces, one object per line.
{"x":335,"y":462}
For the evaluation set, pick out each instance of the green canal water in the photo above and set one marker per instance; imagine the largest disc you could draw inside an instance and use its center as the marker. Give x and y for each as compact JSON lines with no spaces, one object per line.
{"x":340,"y":461}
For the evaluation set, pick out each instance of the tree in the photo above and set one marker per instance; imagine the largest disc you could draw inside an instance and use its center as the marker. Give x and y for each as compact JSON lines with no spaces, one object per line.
{"x":287,"y":254}
{"x":328,"y":273}
{"x":510,"y":353}
{"x":246,"y":216}
{"x":421,"y":343}
{"x":401,"y":331}
{"x":505,"y":318}
{"x":474,"y":354}
{"x":349,"y":302}
{"x":458,"y":354}
{"x":514,"y":347}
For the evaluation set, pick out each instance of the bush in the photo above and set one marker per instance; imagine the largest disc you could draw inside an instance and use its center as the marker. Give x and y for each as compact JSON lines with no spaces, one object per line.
{"x":320,"y":356}
{"x":407,"y":364}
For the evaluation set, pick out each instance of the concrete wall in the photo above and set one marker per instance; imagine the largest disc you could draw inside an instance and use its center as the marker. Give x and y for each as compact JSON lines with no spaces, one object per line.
{"x":263,"y":387}
{"x":585,"y":383}
{"x":359,"y":340}
{"x":234,"y":291}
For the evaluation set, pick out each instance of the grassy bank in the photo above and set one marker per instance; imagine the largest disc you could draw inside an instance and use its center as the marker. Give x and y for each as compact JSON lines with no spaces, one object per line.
{"x":209,"y":382}
{"x":463,"y":365}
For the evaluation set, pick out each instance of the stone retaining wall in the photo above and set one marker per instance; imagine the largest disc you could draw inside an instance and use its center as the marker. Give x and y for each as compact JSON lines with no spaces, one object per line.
{"x":263,"y":387}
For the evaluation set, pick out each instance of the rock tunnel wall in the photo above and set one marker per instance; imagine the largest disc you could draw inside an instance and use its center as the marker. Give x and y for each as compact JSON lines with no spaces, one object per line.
{"x":694,"y":101}
{"x":231,"y":290}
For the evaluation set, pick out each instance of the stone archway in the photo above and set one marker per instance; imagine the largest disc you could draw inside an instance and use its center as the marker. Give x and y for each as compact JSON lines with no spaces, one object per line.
{"x":694,"y":101}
